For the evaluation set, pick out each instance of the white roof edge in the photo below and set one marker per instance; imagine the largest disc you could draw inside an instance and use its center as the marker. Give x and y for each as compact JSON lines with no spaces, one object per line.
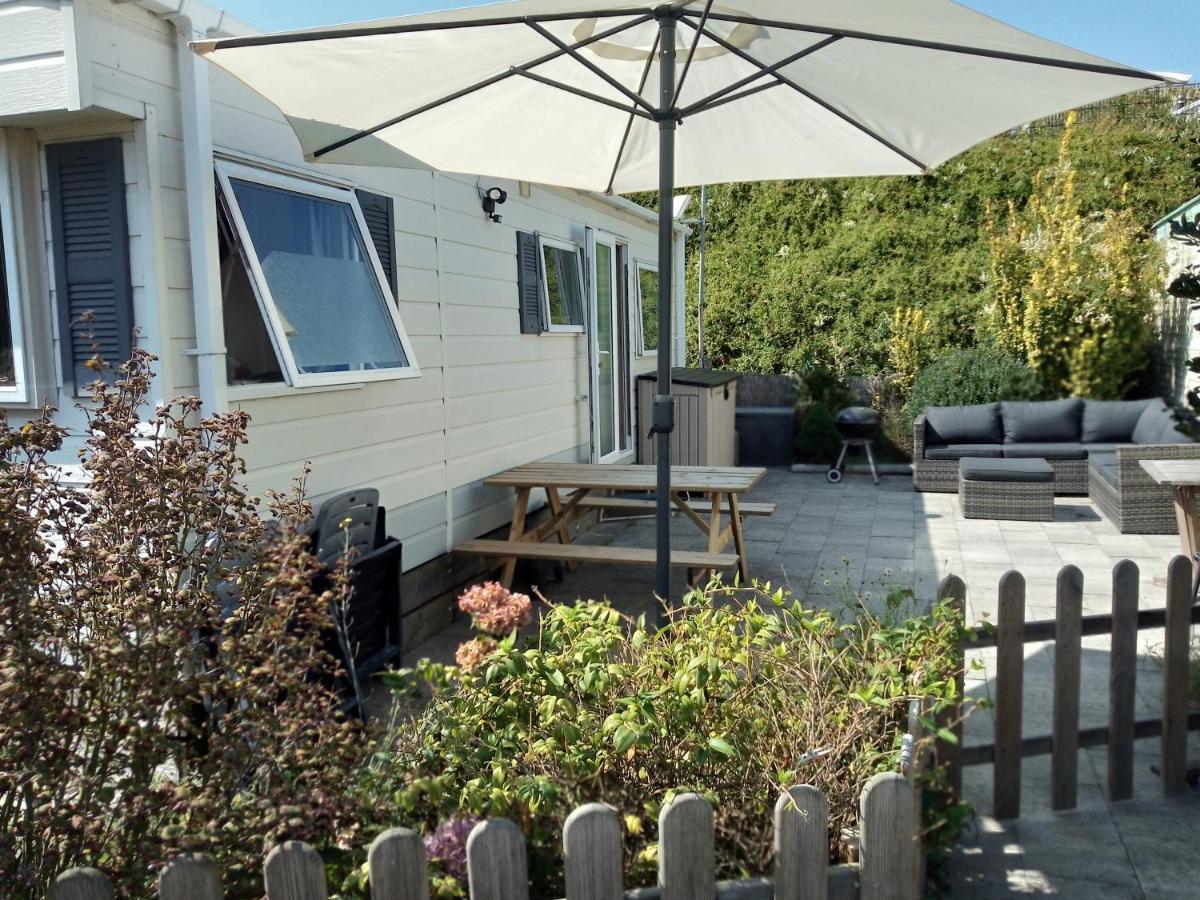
{"x":210,"y":20}
{"x":635,"y":209}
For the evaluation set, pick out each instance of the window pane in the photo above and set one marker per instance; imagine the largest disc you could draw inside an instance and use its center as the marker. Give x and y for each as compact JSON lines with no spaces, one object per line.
{"x":648,"y":291}
{"x":249,"y":355}
{"x":8,"y":369}
{"x":324,"y":287}
{"x":563,"y":290}
{"x":605,"y":349}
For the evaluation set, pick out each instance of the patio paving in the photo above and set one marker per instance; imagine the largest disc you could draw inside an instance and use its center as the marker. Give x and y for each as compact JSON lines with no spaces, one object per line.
{"x":827,"y":538}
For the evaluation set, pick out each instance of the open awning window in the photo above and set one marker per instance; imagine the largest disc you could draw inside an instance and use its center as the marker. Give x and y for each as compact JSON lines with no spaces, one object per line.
{"x":322,"y":292}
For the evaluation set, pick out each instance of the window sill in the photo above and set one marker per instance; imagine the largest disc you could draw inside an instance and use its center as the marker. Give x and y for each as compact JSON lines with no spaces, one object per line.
{"x":240,"y":392}
{"x":568,"y":330}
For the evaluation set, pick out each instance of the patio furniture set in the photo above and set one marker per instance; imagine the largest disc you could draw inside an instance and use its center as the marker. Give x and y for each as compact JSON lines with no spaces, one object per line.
{"x":1008,"y":460}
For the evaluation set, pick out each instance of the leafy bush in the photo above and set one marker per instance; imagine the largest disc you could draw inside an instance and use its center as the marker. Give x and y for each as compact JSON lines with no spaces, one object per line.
{"x":908,"y":346}
{"x":1075,"y":295}
{"x":163,"y":680}
{"x":981,"y":374}
{"x":816,"y":439}
{"x":739,"y":696}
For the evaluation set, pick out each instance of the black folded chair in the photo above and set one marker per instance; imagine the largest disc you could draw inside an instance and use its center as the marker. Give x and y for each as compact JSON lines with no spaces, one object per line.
{"x":366,"y":633}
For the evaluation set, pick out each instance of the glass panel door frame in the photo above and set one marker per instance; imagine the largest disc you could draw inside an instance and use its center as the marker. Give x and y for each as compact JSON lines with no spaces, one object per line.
{"x":609,"y":346}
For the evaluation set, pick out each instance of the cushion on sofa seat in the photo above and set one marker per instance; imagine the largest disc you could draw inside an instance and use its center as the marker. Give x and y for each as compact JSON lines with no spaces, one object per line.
{"x":962,"y":451}
{"x":1111,"y":421}
{"x":1022,"y":470}
{"x":1108,"y":472}
{"x":974,"y":424}
{"x":1053,"y":450}
{"x":1041,"y":421}
{"x":1151,"y":423}
{"x":1171,"y":433}
{"x":1102,"y":458}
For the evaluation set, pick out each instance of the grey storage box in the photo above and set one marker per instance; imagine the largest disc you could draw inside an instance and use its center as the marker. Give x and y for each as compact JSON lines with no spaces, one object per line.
{"x":704,"y":417}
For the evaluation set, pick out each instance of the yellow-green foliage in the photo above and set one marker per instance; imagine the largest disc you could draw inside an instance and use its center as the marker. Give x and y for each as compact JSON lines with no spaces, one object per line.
{"x":909,"y":345}
{"x":1074,"y":294}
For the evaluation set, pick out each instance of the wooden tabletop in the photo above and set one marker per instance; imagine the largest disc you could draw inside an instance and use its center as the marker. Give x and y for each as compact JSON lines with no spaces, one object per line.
{"x":1181,"y":472}
{"x":699,"y":479}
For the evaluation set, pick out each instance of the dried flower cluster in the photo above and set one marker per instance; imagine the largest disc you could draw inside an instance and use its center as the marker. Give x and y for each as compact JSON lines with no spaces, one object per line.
{"x":164,"y":679}
{"x":494,"y":609}
{"x":471,"y":654}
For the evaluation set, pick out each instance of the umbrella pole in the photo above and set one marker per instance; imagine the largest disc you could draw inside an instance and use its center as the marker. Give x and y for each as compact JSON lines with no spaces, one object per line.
{"x":664,"y":408}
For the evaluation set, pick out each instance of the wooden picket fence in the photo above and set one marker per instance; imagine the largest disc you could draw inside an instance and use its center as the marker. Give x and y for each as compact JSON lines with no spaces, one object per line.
{"x":890,"y":864}
{"x":1010,"y":635}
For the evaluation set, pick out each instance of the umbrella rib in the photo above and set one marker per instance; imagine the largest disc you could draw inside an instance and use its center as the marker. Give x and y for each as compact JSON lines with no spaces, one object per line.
{"x":591,"y":66}
{"x":580,"y":92}
{"x":705,"y":102}
{"x":333,"y":34}
{"x":629,"y":122}
{"x":824,"y":104}
{"x":1033,"y":59}
{"x":691,"y":53}
{"x":477,"y":86}
{"x":730,"y":98}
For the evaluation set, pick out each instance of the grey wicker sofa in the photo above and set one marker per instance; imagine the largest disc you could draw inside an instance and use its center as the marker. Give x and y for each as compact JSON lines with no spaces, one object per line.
{"x":1093,"y":446}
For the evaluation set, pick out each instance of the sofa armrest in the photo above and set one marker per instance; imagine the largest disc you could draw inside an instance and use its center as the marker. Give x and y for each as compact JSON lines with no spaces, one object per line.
{"x":1129,"y":456}
{"x":919,"y":438}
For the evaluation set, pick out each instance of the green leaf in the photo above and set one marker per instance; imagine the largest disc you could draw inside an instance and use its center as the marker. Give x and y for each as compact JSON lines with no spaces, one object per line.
{"x":720,"y":745}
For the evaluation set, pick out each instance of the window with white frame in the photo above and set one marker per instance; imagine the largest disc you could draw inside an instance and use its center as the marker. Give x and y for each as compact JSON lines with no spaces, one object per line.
{"x":12,"y":374}
{"x":647,"y":293}
{"x":305,"y":254}
{"x":562,"y":285}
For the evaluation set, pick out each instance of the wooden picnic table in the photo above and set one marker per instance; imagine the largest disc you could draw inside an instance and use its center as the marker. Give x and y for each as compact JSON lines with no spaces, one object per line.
{"x":572,"y":488}
{"x":1182,"y":476}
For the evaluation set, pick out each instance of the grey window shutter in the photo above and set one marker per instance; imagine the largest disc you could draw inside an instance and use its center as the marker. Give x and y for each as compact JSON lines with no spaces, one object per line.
{"x":379,"y":211}
{"x":91,"y":255}
{"x":528,"y":289}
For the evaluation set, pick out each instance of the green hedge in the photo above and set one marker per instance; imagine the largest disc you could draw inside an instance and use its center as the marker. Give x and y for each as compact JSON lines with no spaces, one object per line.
{"x":981,"y":374}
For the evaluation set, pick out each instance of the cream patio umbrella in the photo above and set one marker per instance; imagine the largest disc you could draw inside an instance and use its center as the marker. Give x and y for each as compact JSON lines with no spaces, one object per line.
{"x":612,"y":96}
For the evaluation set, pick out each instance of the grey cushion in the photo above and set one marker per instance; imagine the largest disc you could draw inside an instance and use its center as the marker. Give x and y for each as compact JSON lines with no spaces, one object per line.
{"x":1110,"y":421}
{"x":1044,"y":421}
{"x":1108,"y":472}
{"x":1093,"y":449}
{"x":1171,"y":433}
{"x":959,"y":451}
{"x":975,"y":424}
{"x":1024,"y":470}
{"x":1102,"y":458}
{"x":1063,"y":450}
{"x":1151,"y":423}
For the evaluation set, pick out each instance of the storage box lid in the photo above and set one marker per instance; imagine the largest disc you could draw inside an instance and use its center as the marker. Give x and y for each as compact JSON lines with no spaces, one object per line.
{"x":696,"y":377}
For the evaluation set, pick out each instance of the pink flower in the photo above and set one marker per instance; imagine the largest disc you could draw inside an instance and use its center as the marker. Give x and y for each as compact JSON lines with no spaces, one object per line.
{"x":470,"y":655}
{"x":495,"y":609}
{"x":448,"y":844}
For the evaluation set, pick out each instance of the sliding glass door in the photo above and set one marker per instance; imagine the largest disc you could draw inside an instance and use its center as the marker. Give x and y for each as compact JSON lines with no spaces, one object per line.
{"x":610,"y":349}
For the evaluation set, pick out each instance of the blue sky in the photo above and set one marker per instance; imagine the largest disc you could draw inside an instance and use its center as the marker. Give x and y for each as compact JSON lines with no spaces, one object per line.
{"x":1160,"y":35}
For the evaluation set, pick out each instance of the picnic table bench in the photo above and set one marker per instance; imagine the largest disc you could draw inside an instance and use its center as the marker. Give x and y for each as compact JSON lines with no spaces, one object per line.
{"x":572,"y":488}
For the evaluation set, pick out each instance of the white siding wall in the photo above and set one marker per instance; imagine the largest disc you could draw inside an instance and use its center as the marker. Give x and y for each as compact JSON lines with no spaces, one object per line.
{"x":488,"y":397}
{"x":34,"y":72}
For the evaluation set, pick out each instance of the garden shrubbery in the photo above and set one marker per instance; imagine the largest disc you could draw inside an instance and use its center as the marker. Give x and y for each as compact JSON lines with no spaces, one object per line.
{"x":982,"y":374}
{"x":739,"y":696}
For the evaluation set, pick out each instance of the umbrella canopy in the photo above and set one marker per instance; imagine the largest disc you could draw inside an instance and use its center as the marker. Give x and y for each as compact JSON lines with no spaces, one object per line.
{"x":605,"y":95}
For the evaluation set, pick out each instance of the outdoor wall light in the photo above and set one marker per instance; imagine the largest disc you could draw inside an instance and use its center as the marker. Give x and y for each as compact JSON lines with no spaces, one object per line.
{"x":492,"y":198}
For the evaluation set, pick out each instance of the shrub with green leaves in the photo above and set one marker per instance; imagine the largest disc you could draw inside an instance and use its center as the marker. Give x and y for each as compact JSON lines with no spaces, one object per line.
{"x":739,"y":696}
{"x":981,"y":374}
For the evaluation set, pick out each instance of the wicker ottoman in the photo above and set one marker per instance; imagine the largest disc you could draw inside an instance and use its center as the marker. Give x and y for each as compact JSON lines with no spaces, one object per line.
{"x":1006,"y":489}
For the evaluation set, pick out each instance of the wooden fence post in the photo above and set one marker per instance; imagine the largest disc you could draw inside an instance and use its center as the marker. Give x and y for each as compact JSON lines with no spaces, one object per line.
{"x":496,"y":862}
{"x":1175,"y":676}
{"x":686,"y":857}
{"x":592,"y":854}
{"x":294,"y":871}
{"x":802,"y":844}
{"x":1009,"y":685}
{"x":949,"y":753}
{"x":1122,"y":680}
{"x":191,"y":876}
{"x":1064,"y":747}
{"x":82,"y":883}
{"x":396,"y":863}
{"x":887,"y":859}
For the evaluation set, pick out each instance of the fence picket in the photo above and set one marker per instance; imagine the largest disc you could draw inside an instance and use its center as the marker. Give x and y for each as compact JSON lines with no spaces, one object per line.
{"x":1175,"y":676}
{"x":592,"y":854}
{"x":686,"y":857}
{"x":396,"y":863}
{"x":82,"y":883}
{"x":802,"y":844}
{"x":1064,"y":757}
{"x":294,"y":871}
{"x":949,"y":753}
{"x":1009,"y":687}
{"x":496,"y":862}
{"x":191,"y":876}
{"x":1122,"y":680}
{"x":887,"y":835}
